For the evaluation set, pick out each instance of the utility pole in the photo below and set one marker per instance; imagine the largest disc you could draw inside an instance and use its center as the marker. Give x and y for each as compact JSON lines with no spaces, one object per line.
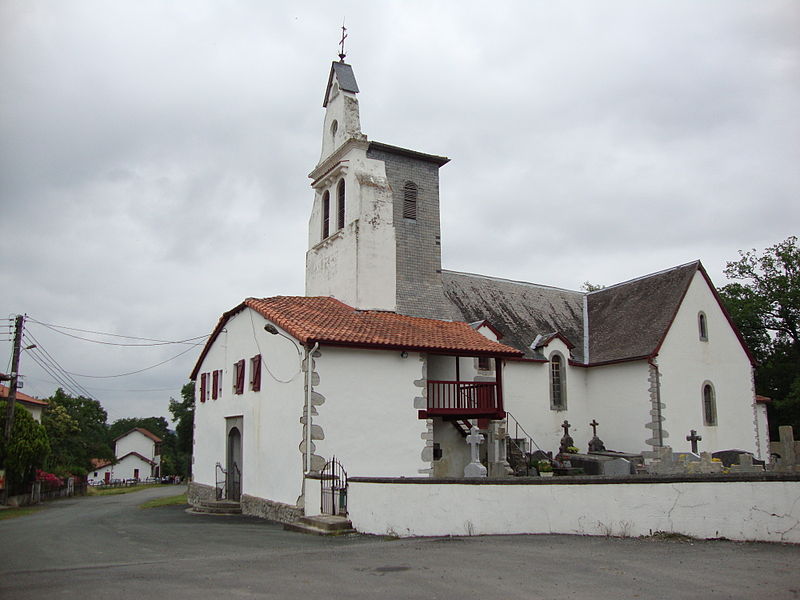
{"x":12,"y":393}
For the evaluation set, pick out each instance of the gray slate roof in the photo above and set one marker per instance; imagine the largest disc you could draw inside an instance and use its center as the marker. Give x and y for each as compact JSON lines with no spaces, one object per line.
{"x":518,"y":310}
{"x":629,"y":320}
{"x":626,"y":321}
{"x":345,"y":77}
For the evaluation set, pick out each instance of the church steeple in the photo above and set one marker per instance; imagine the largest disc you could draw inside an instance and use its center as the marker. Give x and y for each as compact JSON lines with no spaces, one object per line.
{"x":342,"y":121}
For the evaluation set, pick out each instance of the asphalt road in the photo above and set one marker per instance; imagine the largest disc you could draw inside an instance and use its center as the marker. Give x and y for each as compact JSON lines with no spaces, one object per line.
{"x":106,"y":547}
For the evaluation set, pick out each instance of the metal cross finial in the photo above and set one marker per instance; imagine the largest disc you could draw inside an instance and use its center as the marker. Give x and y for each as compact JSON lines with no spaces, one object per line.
{"x":594,"y":425}
{"x":694,"y":438}
{"x":341,"y":43}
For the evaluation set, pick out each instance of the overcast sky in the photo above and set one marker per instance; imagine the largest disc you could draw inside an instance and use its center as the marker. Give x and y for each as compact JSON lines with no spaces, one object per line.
{"x":154,"y":155}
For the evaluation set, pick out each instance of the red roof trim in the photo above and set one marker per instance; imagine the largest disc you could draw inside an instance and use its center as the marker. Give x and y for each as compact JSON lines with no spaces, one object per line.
{"x":484,"y":323}
{"x":136,"y":454}
{"x":212,"y":338}
{"x":553,"y":336}
{"x":141,"y":430}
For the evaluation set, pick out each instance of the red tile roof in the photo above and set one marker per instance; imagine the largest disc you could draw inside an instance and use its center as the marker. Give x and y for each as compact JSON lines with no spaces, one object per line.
{"x":4,"y":391}
{"x":99,"y":463}
{"x":763,"y":399}
{"x":329,"y":321}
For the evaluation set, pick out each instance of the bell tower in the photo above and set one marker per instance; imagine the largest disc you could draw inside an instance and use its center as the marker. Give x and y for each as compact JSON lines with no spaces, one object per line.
{"x":351,"y":240}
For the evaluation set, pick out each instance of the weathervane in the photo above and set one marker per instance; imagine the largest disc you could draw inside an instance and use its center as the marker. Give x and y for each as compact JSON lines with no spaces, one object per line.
{"x":341,"y":43}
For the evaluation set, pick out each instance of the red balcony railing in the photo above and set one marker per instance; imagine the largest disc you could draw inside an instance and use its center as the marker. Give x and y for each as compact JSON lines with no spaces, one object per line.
{"x":463,"y":398}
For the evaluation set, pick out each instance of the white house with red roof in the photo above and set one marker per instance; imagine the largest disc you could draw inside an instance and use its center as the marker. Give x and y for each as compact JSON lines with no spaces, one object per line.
{"x":138,"y":456}
{"x":35,"y":406}
{"x":389,"y":360}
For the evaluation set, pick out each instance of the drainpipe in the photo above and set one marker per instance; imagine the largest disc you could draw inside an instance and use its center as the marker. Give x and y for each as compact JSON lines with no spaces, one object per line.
{"x":309,"y":375}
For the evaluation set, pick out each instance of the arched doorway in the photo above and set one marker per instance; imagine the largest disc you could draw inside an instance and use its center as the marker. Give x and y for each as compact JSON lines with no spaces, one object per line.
{"x":233,"y":481}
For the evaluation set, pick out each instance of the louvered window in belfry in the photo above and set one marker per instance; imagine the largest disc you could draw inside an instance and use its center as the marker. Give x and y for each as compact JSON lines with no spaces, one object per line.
{"x":340,"y":205}
{"x":410,"y":200}
{"x":326,"y":214}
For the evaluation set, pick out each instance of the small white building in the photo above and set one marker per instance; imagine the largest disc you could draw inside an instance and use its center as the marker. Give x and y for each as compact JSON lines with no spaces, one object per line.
{"x":389,"y":359}
{"x":35,"y":406}
{"x":138,"y":456}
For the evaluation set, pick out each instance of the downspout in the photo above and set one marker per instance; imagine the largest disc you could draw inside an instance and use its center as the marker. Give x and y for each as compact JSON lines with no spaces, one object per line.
{"x":309,"y":379}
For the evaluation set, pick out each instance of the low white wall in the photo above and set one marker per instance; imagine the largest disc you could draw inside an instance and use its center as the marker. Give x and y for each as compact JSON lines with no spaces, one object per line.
{"x":740,"y":510}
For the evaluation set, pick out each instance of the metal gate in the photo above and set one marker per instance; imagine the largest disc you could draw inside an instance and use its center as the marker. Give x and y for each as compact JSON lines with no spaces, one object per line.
{"x":334,"y":488}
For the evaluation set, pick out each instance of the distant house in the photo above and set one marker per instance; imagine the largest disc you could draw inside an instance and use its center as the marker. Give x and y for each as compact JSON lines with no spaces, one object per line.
{"x":35,"y":406}
{"x":138,"y":455}
{"x":102,"y":471}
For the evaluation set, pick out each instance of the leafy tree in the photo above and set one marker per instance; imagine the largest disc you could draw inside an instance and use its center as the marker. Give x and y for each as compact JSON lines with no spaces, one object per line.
{"x":764,"y":302}
{"x":27,"y":450}
{"x":78,"y":430}
{"x":183,"y":414}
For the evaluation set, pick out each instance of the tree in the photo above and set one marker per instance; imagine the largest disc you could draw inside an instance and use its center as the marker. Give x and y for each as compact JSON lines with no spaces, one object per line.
{"x":27,"y":449}
{"x":79,"y":433}
{"x":764,"y":302}
{"x":183,"y":415}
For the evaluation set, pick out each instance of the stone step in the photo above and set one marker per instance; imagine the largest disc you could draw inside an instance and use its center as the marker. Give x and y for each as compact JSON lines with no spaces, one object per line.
{"x":322,"y":525}
{"x":218,"y":507}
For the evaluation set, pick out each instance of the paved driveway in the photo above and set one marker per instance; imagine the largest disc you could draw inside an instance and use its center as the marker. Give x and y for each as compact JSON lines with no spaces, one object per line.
{"x":106,"y":547}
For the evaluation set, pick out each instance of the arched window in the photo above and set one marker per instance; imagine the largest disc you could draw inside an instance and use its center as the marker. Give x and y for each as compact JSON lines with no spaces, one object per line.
{"x":709,"y":405}
{"x":326,"y":214}
{"x":410,"y":200}
{"x":558,"y":383}
{"x":702,"y":326}
{"x":340,"y":205}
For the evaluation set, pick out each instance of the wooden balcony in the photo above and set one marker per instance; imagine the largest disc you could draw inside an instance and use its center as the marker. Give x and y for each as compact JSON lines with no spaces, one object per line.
{"x":464,"y":399}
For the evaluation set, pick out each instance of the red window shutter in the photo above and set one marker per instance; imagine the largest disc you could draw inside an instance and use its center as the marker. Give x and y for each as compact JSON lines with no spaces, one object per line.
{"x":239,"y":372}
{"x":214,"y":385}
{"x":203,"y":386}
{"x":255,"y":373}
{"x":219,"y":383}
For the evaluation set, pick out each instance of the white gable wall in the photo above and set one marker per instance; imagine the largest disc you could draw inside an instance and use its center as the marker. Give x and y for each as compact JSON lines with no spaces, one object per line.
{"x":369,"y":417}
{"x":126,"y":468}
{"x":686,"y":363}
{"x":135,"y":441}
{"x":272,"y":463}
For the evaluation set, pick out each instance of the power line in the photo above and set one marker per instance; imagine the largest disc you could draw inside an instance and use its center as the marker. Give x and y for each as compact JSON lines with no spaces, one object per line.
{"x":154,"y":342}
{"x":138,"y":370}
{"x":47,"y":357}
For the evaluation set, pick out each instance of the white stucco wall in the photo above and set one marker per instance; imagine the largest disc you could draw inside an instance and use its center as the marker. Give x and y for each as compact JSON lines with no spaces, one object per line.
{"x":356,"y":264}
{"x":369,"y":417}
{"x":135,"y":441}
{"x":272,"y":464}
{"x":766,"y":511}
{"x":125,"y":468}
{"x":686,"y":363}
{"x":101,"y":474}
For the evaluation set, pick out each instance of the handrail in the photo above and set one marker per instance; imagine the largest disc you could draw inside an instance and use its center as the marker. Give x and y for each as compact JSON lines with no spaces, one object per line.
{"x":220,"y":491}
{"x":462,"y":396}
{"x":518,"y":428}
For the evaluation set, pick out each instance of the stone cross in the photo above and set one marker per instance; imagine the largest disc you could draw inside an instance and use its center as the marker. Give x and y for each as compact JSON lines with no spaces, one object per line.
{"x":594,"y":425}
{"x":595,"y":444}
{"x":565,"y":426}
{"x":786,"y":452}
{"x":474,"y":468}
{"x":566,"y":441}
{"x":694,"y":438}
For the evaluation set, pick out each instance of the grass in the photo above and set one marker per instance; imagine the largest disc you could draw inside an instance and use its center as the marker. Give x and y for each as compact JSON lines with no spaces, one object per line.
{"x":12,"y":513}
{"x":113,"y":491}
{"x":178,"y":500}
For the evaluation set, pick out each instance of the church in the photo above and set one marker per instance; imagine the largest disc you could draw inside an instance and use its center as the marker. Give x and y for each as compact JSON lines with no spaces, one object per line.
{"x":389,"y":361}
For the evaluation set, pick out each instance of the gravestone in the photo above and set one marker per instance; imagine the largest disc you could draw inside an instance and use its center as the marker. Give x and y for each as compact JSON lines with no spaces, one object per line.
{"x":595,"y":464}
{"x":706,"y":464}
{"x":474,"y":468}
{"x":730,"y":458}
{"x":566,"y":440}
{"x":664,"y":462}
{"x":784,"y":454}
{"x":693,"y":438}
{"x":595,"y":444}
{"x":747,"y":464}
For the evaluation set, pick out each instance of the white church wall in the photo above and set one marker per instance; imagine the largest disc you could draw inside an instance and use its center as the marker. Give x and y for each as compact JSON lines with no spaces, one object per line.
{"x":762,"y":430}
{"x":272,"y":463}
{"x":619,"y":399}
{"x":744,"y":510}
{"x":526,"y":395}
{"x":686,"y":363}
{"x":369,"y":418}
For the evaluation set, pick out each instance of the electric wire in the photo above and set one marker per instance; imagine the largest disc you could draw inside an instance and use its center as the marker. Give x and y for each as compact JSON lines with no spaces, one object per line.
{"x":154,"y":342}
{"x":264,"y":362}
{"x":43,"y":355}
{"x":138,"y":370}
